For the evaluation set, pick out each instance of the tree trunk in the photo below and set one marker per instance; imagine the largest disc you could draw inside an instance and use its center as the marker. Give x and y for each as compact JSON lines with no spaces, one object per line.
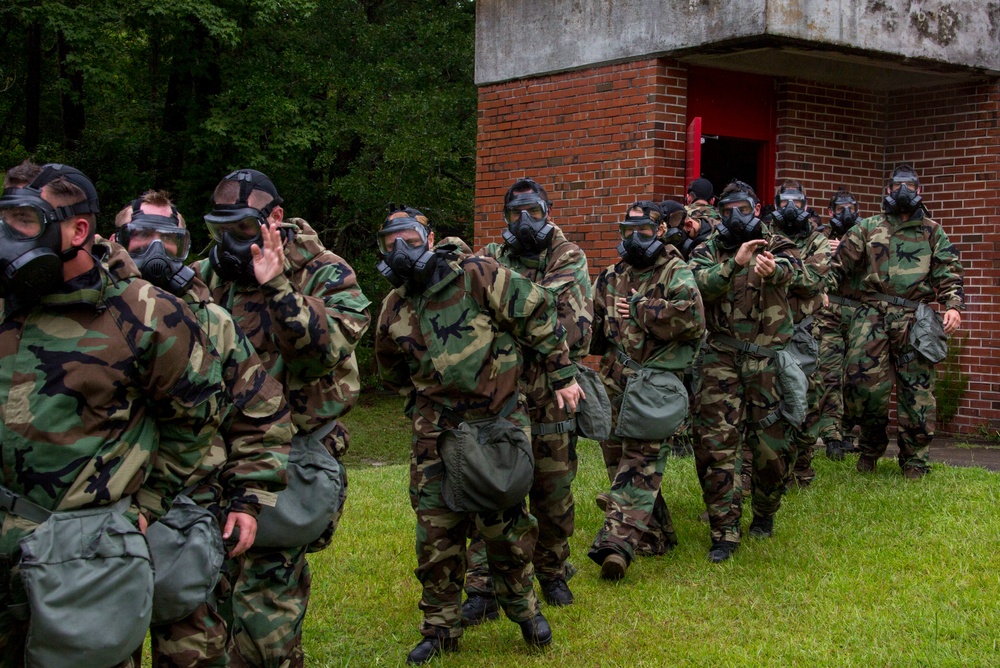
{"x":33,"y":87}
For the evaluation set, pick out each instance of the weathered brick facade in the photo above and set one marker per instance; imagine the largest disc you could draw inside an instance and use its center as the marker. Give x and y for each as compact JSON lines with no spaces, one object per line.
{"x":602,"y":137}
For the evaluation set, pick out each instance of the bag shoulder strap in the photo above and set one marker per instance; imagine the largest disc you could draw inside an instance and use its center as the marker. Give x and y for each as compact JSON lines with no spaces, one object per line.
{"x":452,"y":415}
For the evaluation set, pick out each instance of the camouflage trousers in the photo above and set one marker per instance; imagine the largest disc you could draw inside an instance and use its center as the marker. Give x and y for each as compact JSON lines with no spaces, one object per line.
{"x":879,"y":335}
{"x":636,"y":518}
{"x":738,"y":391}
{"x":509,"y":536}
{"x":550,"y":502}
{"x":834,"y":342}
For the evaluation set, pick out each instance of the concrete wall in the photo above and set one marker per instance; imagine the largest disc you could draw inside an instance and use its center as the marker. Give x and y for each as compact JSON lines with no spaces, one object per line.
{"x":523,"y":38}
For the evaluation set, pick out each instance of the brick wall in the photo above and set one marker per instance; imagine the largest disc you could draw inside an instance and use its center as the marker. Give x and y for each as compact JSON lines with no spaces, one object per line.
{"x":597,"y":140}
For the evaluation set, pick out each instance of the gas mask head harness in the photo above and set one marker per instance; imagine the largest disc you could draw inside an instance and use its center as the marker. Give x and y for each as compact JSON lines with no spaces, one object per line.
{"x":845,"y":213}
{"x":404,"y":244}
{"x":159,"y":246}
{"x":739,"y":224}
{"x":31,"y":255}
{"x":526,"y":212}
{"x":902,"y":195}
{"x":236,"y":227}
{"x":674,"y":215}
{"x":640,"y":246}
{"x":790,"y":211}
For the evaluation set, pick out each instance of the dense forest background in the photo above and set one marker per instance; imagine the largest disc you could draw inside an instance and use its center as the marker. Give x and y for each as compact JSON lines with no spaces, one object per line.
{"x":346,"y":104}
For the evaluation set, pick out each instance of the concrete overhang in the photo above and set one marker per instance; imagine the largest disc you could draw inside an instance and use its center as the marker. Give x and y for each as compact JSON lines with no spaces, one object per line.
{"x":879,"y":44}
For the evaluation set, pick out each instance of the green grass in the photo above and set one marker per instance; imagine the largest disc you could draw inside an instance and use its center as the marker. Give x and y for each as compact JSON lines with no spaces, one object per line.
{"x":863,"y":571}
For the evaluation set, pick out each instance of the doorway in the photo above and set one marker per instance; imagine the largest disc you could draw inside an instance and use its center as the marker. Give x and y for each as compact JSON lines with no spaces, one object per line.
{"x":726,"y":158}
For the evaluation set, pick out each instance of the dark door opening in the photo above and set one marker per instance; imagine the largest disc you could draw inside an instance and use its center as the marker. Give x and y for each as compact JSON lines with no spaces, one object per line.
{"x":726,"y":158}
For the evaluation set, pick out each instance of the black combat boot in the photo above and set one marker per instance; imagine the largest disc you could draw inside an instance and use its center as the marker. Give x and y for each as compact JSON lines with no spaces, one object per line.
{"x":479,"y":608}
{"x":430,"y":647}
{"x":721,"y":551}
{"x":536,"y":631}
{"x":762,"y":526}
{"x":556,"y":592}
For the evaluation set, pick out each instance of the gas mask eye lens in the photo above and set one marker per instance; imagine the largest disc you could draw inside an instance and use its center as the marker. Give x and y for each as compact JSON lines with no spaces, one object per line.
{"x":24,"y":222}
{"x":742,"y":207}
{"x":644,"y":230}
{"x":244,"y":229}
{"x":513,"y":213}
{"x":677,"y":218}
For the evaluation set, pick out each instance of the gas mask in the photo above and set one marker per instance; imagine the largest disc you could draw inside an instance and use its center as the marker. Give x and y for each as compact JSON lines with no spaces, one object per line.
{"x":528,"y":228}
{"x":408,"y":260}
{"x":640,"y":246}
{"x":159,"y":246}
{"x":237,"y":227}
{"x":905,"y":199}
{"x":739,"y":224}
{"x":790,"y":213}
{"x":845,"y":218}
{"x":676,"y":235}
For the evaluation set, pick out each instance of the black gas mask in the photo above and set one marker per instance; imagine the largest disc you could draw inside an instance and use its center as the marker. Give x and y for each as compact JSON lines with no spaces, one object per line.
{"x":640,"y":246}
{"x":790,"y":212}
{"x":903,"y":197}
{"x":528,"y":228}
{"x":237,"y":227}
{"x":406,"y":255}
{"x":159,"y":246}
{"x":844,"y":217}
{"x":31,"y":255}
{"x":675,"y":215}
{"x":739,"y":224}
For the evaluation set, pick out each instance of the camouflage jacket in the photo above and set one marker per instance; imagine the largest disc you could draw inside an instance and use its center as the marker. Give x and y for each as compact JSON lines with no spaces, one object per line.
{"x":457,"y":343}
{"x":251,"y":450}
{"x":704,"y":211}
{"x":738,"y":302}
{"x":666,"y":316}
{"x":805,"y":292}
{"x":304,"y":325}
{"x":108,"y":389}
{"x":562,"y":269}
{"x":911,"y":259}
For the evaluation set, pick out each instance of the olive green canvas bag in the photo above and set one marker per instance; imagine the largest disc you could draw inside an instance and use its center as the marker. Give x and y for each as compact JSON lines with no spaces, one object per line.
{"x":927,"y":335}
{"x":489,"y":465}
{"x":804,"y":347}
{"x":89,"y":583}
{"x":315,"y":493}
{"x":654,"y":404}
{"x":593,"y":414}
{"x":187,"y":551}
{"x":794,"y":387}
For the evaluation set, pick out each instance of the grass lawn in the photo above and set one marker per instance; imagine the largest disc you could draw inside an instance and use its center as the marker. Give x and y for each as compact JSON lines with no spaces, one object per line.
{"x":862,"y":571}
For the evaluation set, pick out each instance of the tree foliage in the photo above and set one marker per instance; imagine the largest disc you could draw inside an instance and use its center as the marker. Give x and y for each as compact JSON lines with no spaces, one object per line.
{"x":347,"y":104}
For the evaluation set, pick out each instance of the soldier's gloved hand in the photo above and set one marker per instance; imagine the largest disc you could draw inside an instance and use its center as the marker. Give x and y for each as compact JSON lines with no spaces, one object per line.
{"x":247,"y":531}
{"x":569,"y":397}
{"x":952,"y":320}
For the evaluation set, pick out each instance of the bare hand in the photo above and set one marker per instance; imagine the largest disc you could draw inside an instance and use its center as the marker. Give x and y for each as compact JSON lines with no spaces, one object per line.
{"x":143,"y":524}
{"x":570,"y":397}
{"x":270,"y":261}
{"x":765,"y":265}
{"x":248,"y":531}
{"x":623,"y":307}
{"x":746,"y":251}
{"x":833,"y":245}
{"x":826,"y":300}
{"x":952,"y":320}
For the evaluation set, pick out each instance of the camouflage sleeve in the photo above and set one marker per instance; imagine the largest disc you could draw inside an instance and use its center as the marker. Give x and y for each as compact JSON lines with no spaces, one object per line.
{"x":257,"y":430}
{"x":811,"y":281}
{"x":569,"y":280}
{"x":184,"y":386}
{"x":599,"y":342}
{"x":713,"y":278}
{"x":528,"y":311}
{"x":317,"y":328}
{"x":788,"y":262}
{"x":947,"y":275}
{"x":848,"y":258}
{"x":393,"y":366}
{"x":679,"y":315}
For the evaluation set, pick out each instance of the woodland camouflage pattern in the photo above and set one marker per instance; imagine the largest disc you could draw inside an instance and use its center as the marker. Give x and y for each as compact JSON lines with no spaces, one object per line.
{"x":915,"y":260}
{"x":304,"y":325}
{"x":740,"y":389}
{"x":108,"y":389}
{"x":663,"y":331}
{"x":561,"y":269}
{"x":456,"y":345}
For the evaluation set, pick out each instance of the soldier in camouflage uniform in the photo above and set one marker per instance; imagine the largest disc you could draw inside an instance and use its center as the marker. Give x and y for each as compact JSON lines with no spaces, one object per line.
{"x":108,"y":387}
{"x":300,"y":306}
{"x":700,"y":203}
{"x":647,"y":313}
{"x":537,"y":249}
{"x":448,"y":339}
{"x":794,"y":219}
{"x":901,"y":258}
{"x":246,"y":468}
{"x":743,"y":273}
{"x":834,"y":327}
